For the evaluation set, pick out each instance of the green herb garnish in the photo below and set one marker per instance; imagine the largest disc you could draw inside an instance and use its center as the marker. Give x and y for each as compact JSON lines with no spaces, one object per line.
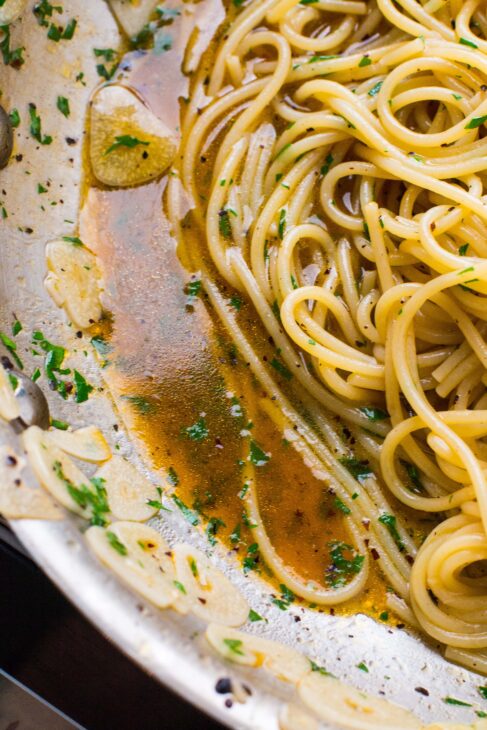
{"x":116,"y":544}
{"x":391,"y":523}
{"x":125,"y":140}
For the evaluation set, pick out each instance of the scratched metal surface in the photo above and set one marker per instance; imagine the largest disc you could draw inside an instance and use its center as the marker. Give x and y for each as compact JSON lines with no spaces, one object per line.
{"x":169,"y":646}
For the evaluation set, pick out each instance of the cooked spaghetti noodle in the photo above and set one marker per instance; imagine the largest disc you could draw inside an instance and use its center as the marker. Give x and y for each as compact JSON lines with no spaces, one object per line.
{"x":346,"y":200}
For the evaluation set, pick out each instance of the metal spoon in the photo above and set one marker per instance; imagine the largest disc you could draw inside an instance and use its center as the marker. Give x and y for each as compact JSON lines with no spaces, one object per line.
{"x":33,"y":406}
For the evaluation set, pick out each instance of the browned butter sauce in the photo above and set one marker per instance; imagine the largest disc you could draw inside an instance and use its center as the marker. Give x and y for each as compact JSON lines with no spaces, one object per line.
{"x":183,"y":388}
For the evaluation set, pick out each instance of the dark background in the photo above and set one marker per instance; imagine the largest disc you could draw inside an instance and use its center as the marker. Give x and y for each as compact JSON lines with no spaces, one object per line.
{"x":51,"y":649}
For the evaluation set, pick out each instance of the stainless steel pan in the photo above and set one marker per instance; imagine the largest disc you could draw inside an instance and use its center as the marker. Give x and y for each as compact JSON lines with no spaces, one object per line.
{"x":402,"y":665}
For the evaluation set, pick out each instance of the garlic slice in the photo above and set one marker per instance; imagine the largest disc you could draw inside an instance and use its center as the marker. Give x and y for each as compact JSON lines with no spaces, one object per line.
{"x":54,"y":469}
{"x":132,"y":16}
{"x":139,"y":556}
{"x":293,"y":717}
{"x":346,"y":707}
{"x":211,"y":595}
{"x":128,"y":490}
{"x":20,"y":497}
{"x":129,"y":145}
{"x":11,"y":10}
{"x":253,"y":651}
{"x":72,"y":281}
{"x":87,"y":444}
{"x":9,"y":408}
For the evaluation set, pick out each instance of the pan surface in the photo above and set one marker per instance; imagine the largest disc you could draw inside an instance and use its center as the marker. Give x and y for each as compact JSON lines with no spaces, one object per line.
{"x":402,"y":667}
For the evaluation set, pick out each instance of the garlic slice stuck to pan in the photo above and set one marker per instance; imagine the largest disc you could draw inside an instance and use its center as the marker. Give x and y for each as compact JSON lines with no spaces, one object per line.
{"x":211,"y":595}
{"x":57,"y":472}
{"x":87,"y":444}
{"x":72,"y":281}
{"x":128,"y":490}
{"x":139,"y":556}
{"x":129,"y":145}
{"x":346,"y":707}
{"x":280,"y":660}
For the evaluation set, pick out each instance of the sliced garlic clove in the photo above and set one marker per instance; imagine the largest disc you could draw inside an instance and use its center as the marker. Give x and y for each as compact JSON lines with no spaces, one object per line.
{"x":128,"y":490}
{"x":20,"y":496}
{"x":129,"y":145}
{"x":87,"y":444}
{"x":55,"y":470}
{"x":253,"y":651}
{"x":11,"y":10}
{"x":339,"y":704}
{"x":9,"y":408}
{"x":139,"y":556}
{"x":132,"y":16}
{"x":72,"y":281}
{"x":212,"y":596}
{"x":293,"y":717}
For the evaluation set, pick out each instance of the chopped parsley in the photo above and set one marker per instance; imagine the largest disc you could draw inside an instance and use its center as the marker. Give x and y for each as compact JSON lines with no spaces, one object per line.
{"x":44,"y":10}
{"x":321,"y":670}
{"x":143,"y":406}
{"x":453,"y":701}
{"x":234,"y":645}
{"x":74,"y":240}
{"x":236,"y":303}
{"x":483,"y":692}
{"x":363,"y":667}
{"x":14,"y":118}
{"x":390,"y":522}
{"x":251,"y":559}
{"x":63,"y":105}
{"x":476,"y":122}
{"x":92,"y":498}
{"x":374,"y":414}
{"x":60,"y":425}
{"x":212,"y":528}
{"x":198,"y":431}
{"x":365,"y":61}
{"x":58,"y":33}
{"x":462,"y":251}
{"x":358,"y":468}
{"x":413,"y":474}
{"x":11,"y":57}
{"x":342,"y":506}
{"x":125,"y":140}
{"x":36,"y":126}
{"x":281,"y":368}
{"x":467,"y":42}
{"x":257,"y":456}
{"x":282,"y":223}
{"x":224,"y":223}
{"x":189,"y":514}
{"x":254,"y":616}
{"x":192,"y":290}
{"x":83,"y":388}
{"x":328,"y":163}
{"x":116,"y":544}
{"x":172,"y":477}
{"x":375,"y":89}
{"x":342,"y":567}
{"x":12,"y":348}
{"x":287,"y":597}
{"x":180,"y":586}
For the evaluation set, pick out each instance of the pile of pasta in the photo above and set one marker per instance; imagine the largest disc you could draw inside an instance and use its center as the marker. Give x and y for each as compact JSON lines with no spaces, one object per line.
{"x":348,"y":148}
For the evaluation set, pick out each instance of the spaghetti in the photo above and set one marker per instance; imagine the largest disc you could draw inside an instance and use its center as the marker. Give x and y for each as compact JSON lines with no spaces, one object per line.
{"x":347,"y":201}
